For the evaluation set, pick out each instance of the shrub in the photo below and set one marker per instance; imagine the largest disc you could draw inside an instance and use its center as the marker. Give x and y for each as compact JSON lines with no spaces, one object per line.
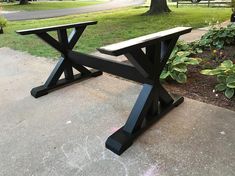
{"x":3,"y":22}
{"x":176,"y":67}
{"x":225,"y":73}
{"x":218,"y":37}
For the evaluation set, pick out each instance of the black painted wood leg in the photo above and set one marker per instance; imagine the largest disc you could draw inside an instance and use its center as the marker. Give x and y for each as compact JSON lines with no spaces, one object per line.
{"x":139,"y":120}
{"x":153,"y":101}
{"x":53,"y":82}
{"x":65,"y":64}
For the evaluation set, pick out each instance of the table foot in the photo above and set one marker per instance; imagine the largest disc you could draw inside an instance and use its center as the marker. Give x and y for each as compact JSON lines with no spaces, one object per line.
{"x":120,"y":141}
{"x":43,"y":90}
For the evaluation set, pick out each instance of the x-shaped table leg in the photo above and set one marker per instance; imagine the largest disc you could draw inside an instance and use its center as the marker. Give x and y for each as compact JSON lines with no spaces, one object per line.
{"x":153,"y":101}
{"x":64,"y":65}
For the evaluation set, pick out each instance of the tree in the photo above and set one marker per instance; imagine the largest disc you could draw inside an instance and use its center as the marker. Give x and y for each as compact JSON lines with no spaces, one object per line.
{"x":24,"y":2}
{"x":233,"y":10}
{"x":158,"y":7}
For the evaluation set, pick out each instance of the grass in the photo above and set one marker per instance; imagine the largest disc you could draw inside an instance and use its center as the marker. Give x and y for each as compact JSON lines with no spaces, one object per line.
{"x":48,"y":5}
{"x":113,"y":26}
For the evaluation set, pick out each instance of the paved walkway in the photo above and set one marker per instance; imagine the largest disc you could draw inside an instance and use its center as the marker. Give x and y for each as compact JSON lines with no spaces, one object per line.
{"x":64,"y":132}
{"x":26,"y":15}
{"x":196,"y":34}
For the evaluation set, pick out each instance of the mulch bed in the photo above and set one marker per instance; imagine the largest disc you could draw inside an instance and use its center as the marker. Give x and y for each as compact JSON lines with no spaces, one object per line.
{"x":200,"y":87}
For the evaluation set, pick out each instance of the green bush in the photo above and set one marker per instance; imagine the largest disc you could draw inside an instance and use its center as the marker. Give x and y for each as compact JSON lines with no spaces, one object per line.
{"x":177,"y":65}
{"x":218,"y":37}
{"x":225,"y":73}
{"x":3,"y":22}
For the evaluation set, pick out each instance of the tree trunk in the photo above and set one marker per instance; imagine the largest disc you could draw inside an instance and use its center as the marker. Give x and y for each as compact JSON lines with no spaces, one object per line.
{"x":232,"y":19}
{"x":1,"y":30}
{"x":158,"y":7}
{"x":22,"y":2}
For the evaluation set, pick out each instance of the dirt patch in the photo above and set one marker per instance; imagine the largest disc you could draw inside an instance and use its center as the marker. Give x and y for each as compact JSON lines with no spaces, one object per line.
{"x":200,"y":87}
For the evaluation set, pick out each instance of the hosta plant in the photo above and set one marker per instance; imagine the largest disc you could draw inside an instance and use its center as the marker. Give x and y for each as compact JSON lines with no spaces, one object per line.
{"x":177,"y":65}
{"x":225,"y":74}
{"x":218,"y":37}
{"x":192,"y":48}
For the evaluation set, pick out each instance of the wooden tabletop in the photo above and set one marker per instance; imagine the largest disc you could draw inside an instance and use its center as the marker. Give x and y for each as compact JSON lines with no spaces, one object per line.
{"x":143,"y":41}
{"x":53,"y":28}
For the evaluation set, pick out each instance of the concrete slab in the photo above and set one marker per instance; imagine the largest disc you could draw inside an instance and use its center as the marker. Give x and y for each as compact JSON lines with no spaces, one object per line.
{"x":64,"y":132}
{"x":7,"y":12}
{"x":196,"y":34}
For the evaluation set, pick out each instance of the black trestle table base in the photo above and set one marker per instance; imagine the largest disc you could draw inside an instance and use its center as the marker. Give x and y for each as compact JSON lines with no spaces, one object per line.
{"x":146,"y":67}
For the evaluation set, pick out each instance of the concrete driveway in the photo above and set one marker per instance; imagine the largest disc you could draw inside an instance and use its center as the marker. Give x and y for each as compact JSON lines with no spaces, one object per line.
{"x":63,"y":133}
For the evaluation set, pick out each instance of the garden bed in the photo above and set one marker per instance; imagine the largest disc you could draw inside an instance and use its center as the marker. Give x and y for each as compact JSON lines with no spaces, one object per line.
{"x":200,"y":87}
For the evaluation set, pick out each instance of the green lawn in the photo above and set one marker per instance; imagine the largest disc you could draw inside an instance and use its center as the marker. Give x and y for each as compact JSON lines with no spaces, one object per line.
{"x":113,"y":26}
{"x":48,"y":5}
